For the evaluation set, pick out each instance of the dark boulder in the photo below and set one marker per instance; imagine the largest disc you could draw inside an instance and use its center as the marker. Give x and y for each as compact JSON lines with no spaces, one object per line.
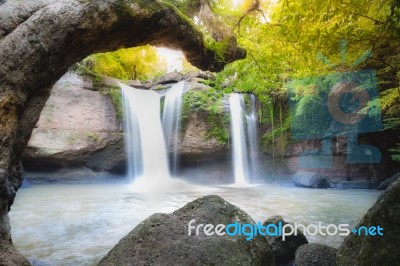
{"x":284,"y":251}
{"x":387,"y":182}
{"x":376,"y":249}
{"x":162,"y":239}
{"x":315,"y":255}
{"x":310,"y":179}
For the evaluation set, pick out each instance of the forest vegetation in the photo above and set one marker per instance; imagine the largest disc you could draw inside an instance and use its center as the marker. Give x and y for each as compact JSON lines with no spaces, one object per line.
{"x":285,"y":40}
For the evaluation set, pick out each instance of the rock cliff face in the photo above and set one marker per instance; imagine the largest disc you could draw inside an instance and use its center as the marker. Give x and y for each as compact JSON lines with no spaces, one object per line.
{"x":195,"y":145}
{"x":78,"y":128}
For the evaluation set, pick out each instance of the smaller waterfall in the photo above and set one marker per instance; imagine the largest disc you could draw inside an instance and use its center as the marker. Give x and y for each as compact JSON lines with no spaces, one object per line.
{"x":171,"y":121}
{"x":245,"y":156}
{"x":252,"y":138}
{"x":145,"y":144}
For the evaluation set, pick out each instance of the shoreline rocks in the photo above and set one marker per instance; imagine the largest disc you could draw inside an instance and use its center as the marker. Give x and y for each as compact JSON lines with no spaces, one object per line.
{"x":387,"y":182}
{"x":284,"y":251}
{"x":315,"y":254}
{"x":310,"y":180}
{"x":162,"y":239}
{"x":379,"y":249}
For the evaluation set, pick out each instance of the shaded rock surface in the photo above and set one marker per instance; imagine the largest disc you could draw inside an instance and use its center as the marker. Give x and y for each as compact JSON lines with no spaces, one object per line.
{"x":294,"y":157}
{"x":316,"y":255}
{"x":162,"y":239}
{"x":310,"y":179}
{"x":362,"y":184}
{"x":386,"y":183}
{"x":284,"y":251}
{"x":381,"y":250}
{"x":77,"y":127}
{"x":196,"y":145}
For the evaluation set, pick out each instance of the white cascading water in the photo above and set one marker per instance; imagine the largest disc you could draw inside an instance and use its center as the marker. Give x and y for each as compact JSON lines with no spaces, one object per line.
{"x":245,"y":143}
{"x":171,"y":121}
{"x":133,"y":149}
{"x":239,"y":156}
{"x":145,"y":144}
{"x":252,"y":137}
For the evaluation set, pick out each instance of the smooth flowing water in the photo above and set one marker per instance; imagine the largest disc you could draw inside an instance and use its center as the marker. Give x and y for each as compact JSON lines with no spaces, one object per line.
{"x":252,"y":139}
{"x":171,"y":121}
{"x":239,"y":156}
{"x":245,"y":139}
{"x":145,"y":143}
{"x":79,"y":224}
{"x":133,"y":149}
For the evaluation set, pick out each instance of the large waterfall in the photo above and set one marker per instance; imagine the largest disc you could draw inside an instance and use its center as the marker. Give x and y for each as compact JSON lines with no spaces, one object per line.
{"x":144,"y":138}
{"x":171,"y":121}
{"x":245,"y":142}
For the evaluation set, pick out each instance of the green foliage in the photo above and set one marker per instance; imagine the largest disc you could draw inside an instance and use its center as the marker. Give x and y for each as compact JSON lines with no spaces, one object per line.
{"x":387,"y":105}
{"x":160,"y":87}
{"x":141,"y":63}
{"x":210,"y":104}
{"x":116,"y":97}
{"x":92,"y":135}
{"x":296,"y":39}
{"x":286,"y":40}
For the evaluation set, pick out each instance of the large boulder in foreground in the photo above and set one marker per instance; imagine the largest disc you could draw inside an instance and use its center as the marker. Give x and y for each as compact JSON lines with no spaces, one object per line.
{"x":284,"y":251}
{"x":378,"y":249}
{"x":310,"y":180}
{"x":162,"y":239}
{"x":316,"y":255}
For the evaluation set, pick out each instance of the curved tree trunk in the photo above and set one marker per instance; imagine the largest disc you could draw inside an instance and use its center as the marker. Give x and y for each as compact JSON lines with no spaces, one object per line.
{"x":40,"y":39}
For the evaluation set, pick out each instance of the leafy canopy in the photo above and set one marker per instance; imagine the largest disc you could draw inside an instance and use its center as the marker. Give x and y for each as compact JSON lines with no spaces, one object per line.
{"x":142,"y":63}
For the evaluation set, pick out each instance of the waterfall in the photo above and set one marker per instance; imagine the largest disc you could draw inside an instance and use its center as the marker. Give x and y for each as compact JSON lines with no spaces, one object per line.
{"x":145,"y":144}
{"x":133,"y":149}
{"x":245,"y":142}
{"x":252,"y":138}
{"x":171,"y":121}
{"x":240,"y":167}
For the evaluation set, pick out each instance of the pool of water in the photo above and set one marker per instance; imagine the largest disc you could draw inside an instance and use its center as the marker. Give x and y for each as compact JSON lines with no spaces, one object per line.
{"x":79,"y":224}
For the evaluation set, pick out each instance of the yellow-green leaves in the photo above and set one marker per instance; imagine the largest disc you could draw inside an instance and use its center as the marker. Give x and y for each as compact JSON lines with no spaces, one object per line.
{"x":141,"y":63}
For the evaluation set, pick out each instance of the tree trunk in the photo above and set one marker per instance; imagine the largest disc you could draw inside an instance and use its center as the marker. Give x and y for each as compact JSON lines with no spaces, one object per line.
{"x":40,"y":39}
